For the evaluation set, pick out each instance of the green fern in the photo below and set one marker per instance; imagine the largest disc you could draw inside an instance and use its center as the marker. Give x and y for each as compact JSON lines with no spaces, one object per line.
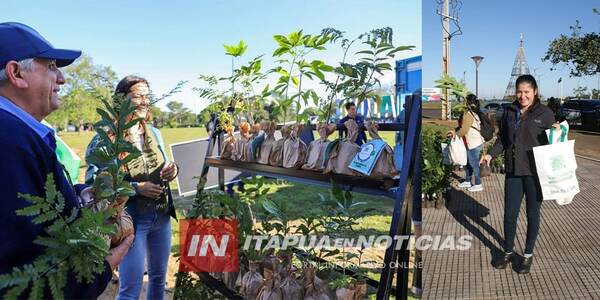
{"x":75,"y":243}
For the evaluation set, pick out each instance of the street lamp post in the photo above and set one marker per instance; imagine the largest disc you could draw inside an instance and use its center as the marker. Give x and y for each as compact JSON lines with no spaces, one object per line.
{"x":477,"y":59}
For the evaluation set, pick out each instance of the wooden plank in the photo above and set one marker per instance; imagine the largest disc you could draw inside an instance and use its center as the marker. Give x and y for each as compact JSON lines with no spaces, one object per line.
{"x":355,"y":183}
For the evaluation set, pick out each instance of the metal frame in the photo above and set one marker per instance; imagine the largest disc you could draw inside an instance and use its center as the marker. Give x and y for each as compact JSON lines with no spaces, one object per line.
{"x":402,"y":189}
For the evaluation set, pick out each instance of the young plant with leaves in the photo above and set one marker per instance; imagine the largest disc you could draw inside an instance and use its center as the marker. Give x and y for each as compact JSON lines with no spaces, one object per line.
{"x":457,"y":89}
{"x":250,"y":76}
{"x":234,"y":51}
{"x":435,"y":174}
{"x":75,"y":244}
{"x":226,"y":107}
{"x":326,"y":106}
{"x":293,"y":49}
{"x":344,"y":215}
{"x":363,"y":77}
{"x":112,"y":153}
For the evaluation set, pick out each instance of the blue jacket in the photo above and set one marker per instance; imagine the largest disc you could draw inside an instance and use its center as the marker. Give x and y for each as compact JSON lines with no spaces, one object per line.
{"x":362,"y":137}
{"x":26,"y":160}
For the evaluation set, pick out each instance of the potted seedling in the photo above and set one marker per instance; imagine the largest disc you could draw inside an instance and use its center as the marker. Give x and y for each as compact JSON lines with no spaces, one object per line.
{"x":112,"y":152}
{"x":344,"y":215}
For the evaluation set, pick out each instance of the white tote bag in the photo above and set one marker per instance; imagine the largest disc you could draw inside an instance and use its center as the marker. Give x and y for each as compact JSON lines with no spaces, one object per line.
{"x":556,"y":165}
{"x":457,"y":152}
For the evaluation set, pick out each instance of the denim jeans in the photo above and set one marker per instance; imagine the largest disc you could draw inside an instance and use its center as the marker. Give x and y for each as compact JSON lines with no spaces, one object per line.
{"x":472,"y":168}
{"x":514,"y":188}
{"x":152,"y":245}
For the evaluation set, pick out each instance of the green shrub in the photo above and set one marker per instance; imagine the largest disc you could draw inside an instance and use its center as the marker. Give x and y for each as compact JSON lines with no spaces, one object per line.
{"x":435,"y":175}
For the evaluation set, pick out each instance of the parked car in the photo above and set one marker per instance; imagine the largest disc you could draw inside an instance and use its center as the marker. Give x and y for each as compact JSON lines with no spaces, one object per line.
{"x":71,"y":128}
{"x":582,"y":113}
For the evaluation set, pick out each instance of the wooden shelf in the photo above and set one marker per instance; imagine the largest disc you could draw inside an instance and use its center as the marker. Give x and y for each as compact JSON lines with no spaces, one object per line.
{"x":355,"y":183}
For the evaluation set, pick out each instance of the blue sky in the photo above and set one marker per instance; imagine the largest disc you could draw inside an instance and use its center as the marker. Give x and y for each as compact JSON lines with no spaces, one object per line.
{"x":491,"y":29}
{"x":168,"y":41}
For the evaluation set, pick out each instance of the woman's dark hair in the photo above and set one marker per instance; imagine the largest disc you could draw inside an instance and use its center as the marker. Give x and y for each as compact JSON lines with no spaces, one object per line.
{"x":124,"y":86}
{"x":349,"y":104}
{"x":531,"y":80}
{"x":473,"y":103}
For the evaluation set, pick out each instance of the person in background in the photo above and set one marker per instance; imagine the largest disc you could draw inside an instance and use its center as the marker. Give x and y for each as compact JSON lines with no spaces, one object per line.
{"x":152,"y":205}
{"x":351,"y":114}
{"x":30,"y":80}
{"x":469,"y":130}
{"x":523,"y":127}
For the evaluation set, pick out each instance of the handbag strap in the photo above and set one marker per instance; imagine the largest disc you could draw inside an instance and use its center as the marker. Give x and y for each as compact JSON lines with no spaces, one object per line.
{"x":563,"y":135}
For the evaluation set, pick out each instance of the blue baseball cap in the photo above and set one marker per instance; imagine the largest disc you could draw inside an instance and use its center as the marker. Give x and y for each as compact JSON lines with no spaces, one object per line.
{"x":19,"y":41}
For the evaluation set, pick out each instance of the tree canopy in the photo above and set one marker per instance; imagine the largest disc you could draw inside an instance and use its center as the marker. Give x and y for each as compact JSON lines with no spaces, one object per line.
{"x":580,"y":51}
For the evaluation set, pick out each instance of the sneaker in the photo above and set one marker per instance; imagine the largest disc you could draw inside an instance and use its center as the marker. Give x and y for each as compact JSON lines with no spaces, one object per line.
{"x":476,"y":188}
{"x":464,"y":184}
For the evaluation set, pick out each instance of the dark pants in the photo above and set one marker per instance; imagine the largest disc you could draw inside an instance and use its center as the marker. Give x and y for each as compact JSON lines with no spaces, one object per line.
{"x":514,"y":189}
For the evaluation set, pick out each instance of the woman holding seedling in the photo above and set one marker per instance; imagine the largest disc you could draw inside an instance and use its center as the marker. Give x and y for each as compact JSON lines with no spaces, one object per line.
{"x":523,"y":127}
{"x":152,"y":205}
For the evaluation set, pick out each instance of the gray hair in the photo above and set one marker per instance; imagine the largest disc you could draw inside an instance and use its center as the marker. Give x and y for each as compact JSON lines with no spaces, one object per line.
{"x":25,"y":64}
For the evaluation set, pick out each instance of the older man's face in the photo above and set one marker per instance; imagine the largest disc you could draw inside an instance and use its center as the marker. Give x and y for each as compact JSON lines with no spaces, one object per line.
{"x":44,"y":81}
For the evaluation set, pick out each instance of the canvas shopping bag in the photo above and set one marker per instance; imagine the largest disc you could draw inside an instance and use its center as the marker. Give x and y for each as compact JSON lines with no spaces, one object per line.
{"x":457,"y":152}
{"x":555,"y":165}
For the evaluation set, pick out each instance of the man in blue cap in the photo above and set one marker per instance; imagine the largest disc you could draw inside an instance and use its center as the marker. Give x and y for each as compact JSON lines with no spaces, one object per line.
{"x":30,"y":80}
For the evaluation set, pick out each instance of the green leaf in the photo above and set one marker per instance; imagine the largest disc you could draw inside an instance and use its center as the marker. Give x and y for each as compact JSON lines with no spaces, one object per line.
{"x":280,"y":51}
{"x":282,"y":40}
{"x":295,"y":37}
{"x":383,"y":49}
{"x":384,"y":66}
{"x":104,"y":114}
{"x":295,"y":80}
{"x":369,"y":52}
{"x":401,"y":48}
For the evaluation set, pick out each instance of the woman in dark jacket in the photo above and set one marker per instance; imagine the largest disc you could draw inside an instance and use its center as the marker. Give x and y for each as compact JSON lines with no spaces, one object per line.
{"x":523,"y":127}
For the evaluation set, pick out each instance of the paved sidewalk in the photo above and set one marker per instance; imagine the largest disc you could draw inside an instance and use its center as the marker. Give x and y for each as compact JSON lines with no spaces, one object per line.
{"x":567,"y":253}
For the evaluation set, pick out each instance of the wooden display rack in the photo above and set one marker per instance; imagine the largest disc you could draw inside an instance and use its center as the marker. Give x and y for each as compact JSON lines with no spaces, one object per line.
{"x":404,"y":190}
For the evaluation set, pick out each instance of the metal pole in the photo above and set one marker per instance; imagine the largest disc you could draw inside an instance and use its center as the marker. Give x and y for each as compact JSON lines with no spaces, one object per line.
{"x":477,"y":81}
{"x":561,"y":92}
{"x":477,"y":59}
{"x":446,"y":56}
